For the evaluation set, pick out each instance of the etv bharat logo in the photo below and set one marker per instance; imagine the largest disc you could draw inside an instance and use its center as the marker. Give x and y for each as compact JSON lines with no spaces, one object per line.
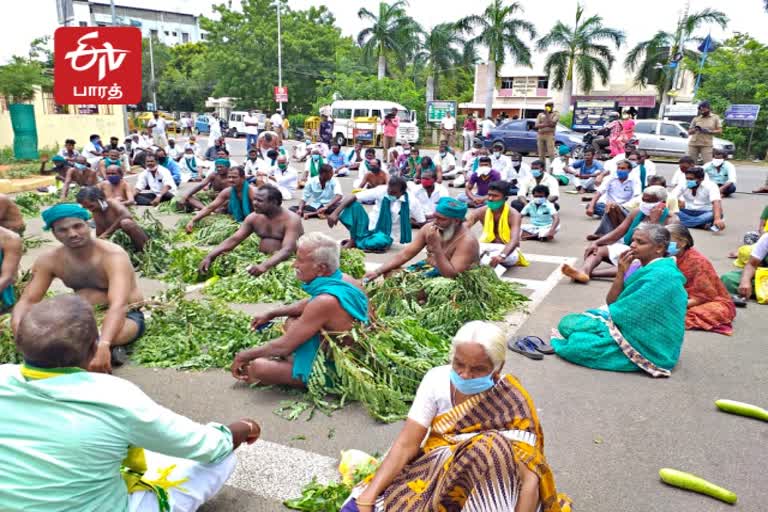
{"x":85,"y":57}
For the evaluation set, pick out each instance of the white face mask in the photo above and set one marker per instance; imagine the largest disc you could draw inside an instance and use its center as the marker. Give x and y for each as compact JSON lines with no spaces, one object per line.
{"x":646,"y":208}
{"x":483,"y":171}
{"x":717,"y":162}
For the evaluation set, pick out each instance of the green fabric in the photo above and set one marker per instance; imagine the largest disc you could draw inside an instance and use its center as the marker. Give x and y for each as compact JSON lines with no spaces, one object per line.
{"x":314,"y":166}
{"x":452,"y":208}
{"x":643,"y":175}
{"x":58,"y":158}
{"x":350,"y":297}
{"x":731,"y":280}
{"x":242,"y":208}
{"x":649,"y":313}
{"x":7,"y":295}
{"x":63,"y":211}
{"x":562,"y":179}
{"x":636,"y":222}
{"x":355,"y":219}
{"x":108,"y":161}
{"x":221,"y":161}
{"x":384,"y":223}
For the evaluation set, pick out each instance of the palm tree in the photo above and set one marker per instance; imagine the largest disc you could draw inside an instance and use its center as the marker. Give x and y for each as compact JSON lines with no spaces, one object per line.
{"x":499,"y":31}
{"x":580,"y":52}
{"x":392,"y":31}
{"x":443,"y":50}
{"x":650,"y":59}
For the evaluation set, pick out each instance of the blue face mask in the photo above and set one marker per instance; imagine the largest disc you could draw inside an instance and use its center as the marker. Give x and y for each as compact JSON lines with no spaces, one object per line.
{"x":539,"y":200}
{"x":79,"y":166}
{"x":536,"y":173}
{"x":692,"y":183}
{"x":471,"y":386}
{"x":633,"y":163}
{"x":622,"y":174}
{"x":315,"y":157}
{"x":672,"y":248}
{"x":391,"y":198}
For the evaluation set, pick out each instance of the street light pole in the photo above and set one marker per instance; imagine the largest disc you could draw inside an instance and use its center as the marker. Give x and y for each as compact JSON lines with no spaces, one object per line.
{"x":152,"y":71}
{"x":126,"y":127}
{"x":279,"y":54}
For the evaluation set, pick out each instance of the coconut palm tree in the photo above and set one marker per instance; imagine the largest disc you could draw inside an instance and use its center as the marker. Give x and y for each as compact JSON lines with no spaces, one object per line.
{"x":499,"y":30}
{"x":442,"y":51}
{"x":392,"y":31}
{"x":650,"y":59}
{"x":581,"y":53}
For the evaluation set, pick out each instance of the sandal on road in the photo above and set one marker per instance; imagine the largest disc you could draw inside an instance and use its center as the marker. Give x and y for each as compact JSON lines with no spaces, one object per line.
{"x":539,"y":344}
{"x":524,"y":347}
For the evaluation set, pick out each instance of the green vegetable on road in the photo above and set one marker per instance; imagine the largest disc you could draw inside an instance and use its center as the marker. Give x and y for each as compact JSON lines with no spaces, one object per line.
{"x":742,"y":409}
{"x":695,"y":483}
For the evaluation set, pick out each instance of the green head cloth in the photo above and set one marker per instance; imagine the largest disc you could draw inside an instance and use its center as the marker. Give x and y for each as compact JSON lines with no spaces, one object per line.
{"x":58,"y":158}
{"x":63,"y":211}
{"x":221,"y":161}
{"x":564,"y":150}
{"x":451,"y":208}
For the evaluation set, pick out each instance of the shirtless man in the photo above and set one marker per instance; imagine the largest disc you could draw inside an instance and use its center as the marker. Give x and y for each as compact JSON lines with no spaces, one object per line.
{"x":216,"y":181}
{"x":111,"y":215}
{"x":98,"y":271}
{"x":236,"y":178}
{"x":112,"y":158}
{"x":10,"y":215}
{"x":115,"y":187}
{"x":288,"y":360}
{"x":11,"y":247}
{"x":277,"y":227}
{"x":60,"y":166}
{"x":81,"y":174}
{"x":451,"y":247}
{"x":374,"y":177}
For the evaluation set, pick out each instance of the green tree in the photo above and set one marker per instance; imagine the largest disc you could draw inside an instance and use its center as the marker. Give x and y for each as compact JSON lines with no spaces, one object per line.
{"x":649,"y":59}
{"x":499,"y":31}
{"x":581,"y":51}
{"x":161,"y":54}
{"x":444,"y":50}
{"x":186,"y":81}
{"x":362,"y":87}
{"x":738,"y":73}
{"x":19,"y":78}
{"x":391,"y":32}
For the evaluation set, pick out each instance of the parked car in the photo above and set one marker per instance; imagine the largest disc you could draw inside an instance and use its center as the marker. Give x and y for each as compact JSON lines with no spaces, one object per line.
{"x":237,"y":125}
{"x":202,"y":126}
{"x":518,"y":136}
{"x":670,"y":138}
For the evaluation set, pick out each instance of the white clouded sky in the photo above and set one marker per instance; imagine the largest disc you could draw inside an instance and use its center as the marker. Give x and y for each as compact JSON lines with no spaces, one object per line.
{"x":24,"y":20}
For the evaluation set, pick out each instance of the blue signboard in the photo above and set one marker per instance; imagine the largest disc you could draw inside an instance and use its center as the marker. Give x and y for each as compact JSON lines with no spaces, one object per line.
{"x":742,"y":115}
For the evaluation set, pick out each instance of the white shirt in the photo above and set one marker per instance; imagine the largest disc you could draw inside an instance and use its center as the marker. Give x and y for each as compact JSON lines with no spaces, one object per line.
{"x":706,"y":193}
{"x":214,"y":128}
{"x":502,"y":163}
{"x":679,"y":180}
{"x":158,"y":126}
{"x":610,"y":165}
{"x":276,"y":120}
{"x":145,"y":141}
{"x":433,"y":396}
{"x":195,"y":147}
{"x":445,"y":162}
{"x":522,"y":174}
{"x":448,"y":123}
{"x":286,"y":181}
{"x":429,"y":201}
{"x":252,"y":166}
{"x":90,"y":154}
{"x":549,"y":181}
{"x":252,"y":129}
{"x":487,"y":126}
{"x":377,"y":194}
{"x":760,"y":249}
{"x":558,"y":167}
{"x":614,"y":191}
{"x":174,"y":152}
{"x":156,"y":182}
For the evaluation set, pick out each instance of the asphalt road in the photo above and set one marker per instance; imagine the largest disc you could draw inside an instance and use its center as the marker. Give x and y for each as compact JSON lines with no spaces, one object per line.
{"x":607,"y":434}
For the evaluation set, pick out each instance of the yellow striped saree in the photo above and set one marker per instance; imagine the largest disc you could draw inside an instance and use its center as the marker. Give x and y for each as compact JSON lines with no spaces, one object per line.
{"x":470,"y":458}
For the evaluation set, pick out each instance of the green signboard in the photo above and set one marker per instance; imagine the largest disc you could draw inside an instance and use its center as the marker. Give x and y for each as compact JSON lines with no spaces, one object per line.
{"x":436,"y":110}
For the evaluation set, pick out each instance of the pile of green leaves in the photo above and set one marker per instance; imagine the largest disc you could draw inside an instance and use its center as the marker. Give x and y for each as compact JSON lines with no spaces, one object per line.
{"x":186,"y":259}
{"x":8,"y":353}
{"x":211,"y":230}
{"x":33,"y":242}
{"x":31,"y":203}
{"x":22,"y":171}
{"x":316,"y":497}
{"x":155,"y":258}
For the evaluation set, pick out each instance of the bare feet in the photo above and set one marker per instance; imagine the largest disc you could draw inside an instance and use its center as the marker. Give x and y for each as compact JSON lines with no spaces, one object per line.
{"x":761,"y":190}
{"x":593,"y":237}
{"x":577,"y":276}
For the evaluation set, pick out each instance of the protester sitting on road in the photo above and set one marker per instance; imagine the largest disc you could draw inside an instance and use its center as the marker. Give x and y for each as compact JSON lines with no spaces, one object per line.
{"x":109,"y":215}
{"x":392,"y":217}
{"x":428,"y":192}
{"x":538,"y":177}
{"x":373,"y":177}
{"x":722,"y":173}
{"x":615,"y":189}
{"x":336,"y":304}
{"x":545,"y":221}
{"x":11,"y":247}
{"x":585,"y":172}
{"x":560,"y":164}
{"x":301,"y":151}
{"x":451,"y":247}
{"x":215,"y":182}
{"x":10,"y":215}
{"x":276,"y":226}
{"x":500,"y":241}
{"x":446,"y":161}
{"x":645,"y":168}
{"x":354,"y":158}
{"x":710,"y":307}
{"x":484,"y":445}
{"x":609,"y":247}
{"x":79,"y":174}
{"x":700,"y":202}
{"x":68,"y":152}
{"x":155,"y":184}
{"x":338,"y":161}
{"x":212,"y":152}
{"x":253,"y":164}
{"x":60,"y":166}
{"x":284,"y":177}
{"x":312,"y":167}
{"x":363,"y":170}
{"x":476,"y":191}
{"x":412,"y":162}
{"x":321,"y":196}
{"x":500,"y":162}
{"x":643,"y":325}
{"x":678,"y":176}
{"x":112,"y":157}
{"x":93,"y":151}
{"x":427,"y":164}
{"x":236,"y":200}
{"x":170,"y":164}
{"x":519,"y":173}
{"x":742,"y":282}
{"x":99,"y":466}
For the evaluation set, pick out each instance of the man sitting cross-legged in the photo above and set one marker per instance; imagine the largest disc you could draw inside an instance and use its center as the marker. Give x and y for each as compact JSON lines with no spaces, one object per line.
{"x":277,"y":227}
{"x":80,"y":441}
{"x":451,"y":247}
{"x":115,"y":187}
{"x":216,"y":181}
{"x":97,"y":270}
{"x":237,"y":199}
{"x":111,"y":215}
{"x":321,"y":195}
{"x":335,"y":304}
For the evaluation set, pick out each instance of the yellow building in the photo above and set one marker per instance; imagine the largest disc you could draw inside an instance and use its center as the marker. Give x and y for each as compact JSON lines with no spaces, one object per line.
{"x":55,"y":123}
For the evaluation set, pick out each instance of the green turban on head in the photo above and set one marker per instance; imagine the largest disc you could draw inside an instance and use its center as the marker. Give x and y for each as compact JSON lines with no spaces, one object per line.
{"x":63,"y":211}
{"x":58,"y":158}
{"x":564,"y":150}
{"x":451,"y":208}
{"x":221,"y":161}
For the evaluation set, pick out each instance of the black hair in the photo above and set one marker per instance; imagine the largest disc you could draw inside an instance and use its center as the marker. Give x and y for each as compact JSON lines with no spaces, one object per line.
{"x":426,"y":162}
{"x":685,"y":159}
{"x":543,"y":189}
{"x":484,"y":159}
{"x":240,"y":170}
{"x":696,"y":171}
{"x":326,"y":168}
{"x":719,"y":151}
{"x":500,"y":186}
{"x":335,"y":144}
{"x":273,"y":194}
{"x":399,"y":182}
{"x":94,"y":136}
{"x":70,"y":141}
{"x":268,"y":137}
{"x":273,"y":154}
{"x":370,"y":150}
{"x":588,"y":150}
{"x":90,"y":194}
{"x":537,"y":163}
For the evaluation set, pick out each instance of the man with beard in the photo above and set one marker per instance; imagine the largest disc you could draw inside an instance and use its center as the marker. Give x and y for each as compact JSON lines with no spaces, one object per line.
{"x":278,"y":230}
{"x":451,"y":247}
{"x":373,"y":177}
{"x":237,"y":199}
{"x":98,"y":271}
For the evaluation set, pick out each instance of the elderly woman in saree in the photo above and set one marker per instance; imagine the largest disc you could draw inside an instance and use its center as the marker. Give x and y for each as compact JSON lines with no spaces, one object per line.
{"x":710,"y":306}
{"x":485,"y":448}
{"x":643,"y":324}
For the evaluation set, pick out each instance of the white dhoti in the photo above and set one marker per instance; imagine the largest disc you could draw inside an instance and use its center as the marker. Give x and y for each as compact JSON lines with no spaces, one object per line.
{"x":204,"y":482}
{"x":539,"y":231}
{"x":488,"y":251}
{"x":615,"y":250}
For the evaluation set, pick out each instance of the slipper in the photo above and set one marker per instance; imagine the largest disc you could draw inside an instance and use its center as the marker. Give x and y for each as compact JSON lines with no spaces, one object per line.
{"x":739,"y":301}
{"x":539,"y":344}
{"x":119,"y":356}
{"x":526,"y":349}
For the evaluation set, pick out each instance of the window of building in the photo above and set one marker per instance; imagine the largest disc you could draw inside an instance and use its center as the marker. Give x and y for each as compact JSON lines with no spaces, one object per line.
{"x":83,"y":23}
{"x":543,"y":83}
{"x":153,"y":34}
{"x":173,"y":34}
{"x":166,"y":33}
{"x":184,"y":37}
{"x":101,"y":24}
{"x":506,"y":83}
{"x":87,"y":110}
{"x":203,"y":36}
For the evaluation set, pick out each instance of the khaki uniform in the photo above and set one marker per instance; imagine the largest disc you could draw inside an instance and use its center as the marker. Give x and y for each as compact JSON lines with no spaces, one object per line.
{"x":545,"y":137}
{"x":700,"y":144}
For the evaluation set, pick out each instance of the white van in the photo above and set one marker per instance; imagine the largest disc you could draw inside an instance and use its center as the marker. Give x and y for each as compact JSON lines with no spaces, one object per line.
{"x":344,"y":112}
{"x":236,"y":126}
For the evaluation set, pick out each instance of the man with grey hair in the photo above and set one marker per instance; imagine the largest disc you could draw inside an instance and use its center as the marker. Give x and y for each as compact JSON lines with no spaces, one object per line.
{"x":67,"y":430}
{"x":336,"y":303}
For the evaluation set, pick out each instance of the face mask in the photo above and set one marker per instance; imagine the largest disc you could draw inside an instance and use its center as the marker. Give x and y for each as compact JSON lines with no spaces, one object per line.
{"x":646,"y":208}
{"x":374,"y":169}
{"x":672,"y":248}
{"x":427,"y":182}
{"x":79,"y":166}
{"x":483,"y":171}
{"x":282,"y":166}
{"x":391,"y":198}
{"x":516,"y":164}
{"x":443,"y":153}
{"x":495,"y":205}
{"x":471,"y":386}
{"x":622,"y":174}
{"x":114,"y":180}
{"x":633,"y":163}
{"x":315,"y":157}
{"x":536,"y":173}
{"x":539,"y":200}
{"x":692,"y":183}
{"x":407,"y":152}
{"x":717,"y":162}
{"x":497,"y":154}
